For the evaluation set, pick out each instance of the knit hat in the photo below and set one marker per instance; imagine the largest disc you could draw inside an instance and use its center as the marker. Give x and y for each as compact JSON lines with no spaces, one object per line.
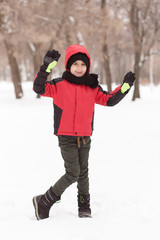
{"x":78,"y":56}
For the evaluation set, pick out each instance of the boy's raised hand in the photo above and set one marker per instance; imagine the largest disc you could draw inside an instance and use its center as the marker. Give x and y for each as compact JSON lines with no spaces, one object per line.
{"x":128,"y":81}
{"x":51,"y":59}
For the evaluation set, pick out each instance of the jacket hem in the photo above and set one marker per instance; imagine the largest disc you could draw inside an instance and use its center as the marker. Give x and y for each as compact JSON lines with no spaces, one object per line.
{"x":73,"y":134}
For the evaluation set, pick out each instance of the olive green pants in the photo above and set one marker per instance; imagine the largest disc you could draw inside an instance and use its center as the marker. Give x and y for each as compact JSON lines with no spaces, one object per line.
{"x":76,"y":164}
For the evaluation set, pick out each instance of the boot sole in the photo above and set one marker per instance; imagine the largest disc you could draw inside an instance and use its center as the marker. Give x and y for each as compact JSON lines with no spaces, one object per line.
{"x":85,"y":215}
{"x":35,"y":204}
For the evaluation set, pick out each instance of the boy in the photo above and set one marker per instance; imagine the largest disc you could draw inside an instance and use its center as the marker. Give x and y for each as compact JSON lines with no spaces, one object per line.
{"x":74,"y":95}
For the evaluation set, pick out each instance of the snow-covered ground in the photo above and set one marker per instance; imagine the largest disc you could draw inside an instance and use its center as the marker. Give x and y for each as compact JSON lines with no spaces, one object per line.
{"x":124,"y":170}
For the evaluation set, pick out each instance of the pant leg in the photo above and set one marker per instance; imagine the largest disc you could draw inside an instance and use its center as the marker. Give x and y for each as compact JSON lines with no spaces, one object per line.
{"x":83,"y":180}
{"x":70,"y":154}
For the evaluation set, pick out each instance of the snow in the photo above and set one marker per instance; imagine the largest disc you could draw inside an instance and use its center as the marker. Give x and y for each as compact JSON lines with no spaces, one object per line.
{"x":124,"y":170}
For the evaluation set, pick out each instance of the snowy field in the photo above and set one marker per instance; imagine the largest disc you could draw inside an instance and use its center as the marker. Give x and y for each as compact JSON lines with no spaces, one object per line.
{"x":124,"y":170}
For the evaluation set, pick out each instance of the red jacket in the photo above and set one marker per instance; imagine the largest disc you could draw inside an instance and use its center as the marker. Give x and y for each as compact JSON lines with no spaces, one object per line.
{"x":74,"y":104}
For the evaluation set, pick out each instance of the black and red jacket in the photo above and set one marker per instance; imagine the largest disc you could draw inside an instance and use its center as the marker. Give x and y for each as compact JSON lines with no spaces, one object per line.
{"x":74,"y":104}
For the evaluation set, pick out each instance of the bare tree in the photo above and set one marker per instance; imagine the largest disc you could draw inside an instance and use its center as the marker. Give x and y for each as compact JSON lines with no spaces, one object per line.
{"x":8,"y":20}
{"x":144,"y":25}
{"x":16,"y":78}
{"x":105,"y":49}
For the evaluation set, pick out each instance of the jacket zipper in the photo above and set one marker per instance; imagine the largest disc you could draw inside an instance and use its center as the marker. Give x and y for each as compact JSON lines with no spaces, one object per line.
{"x":74,"y":122}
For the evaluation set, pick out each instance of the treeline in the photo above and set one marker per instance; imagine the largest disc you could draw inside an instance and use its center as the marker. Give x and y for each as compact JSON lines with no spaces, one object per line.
{"x":120,"y":35}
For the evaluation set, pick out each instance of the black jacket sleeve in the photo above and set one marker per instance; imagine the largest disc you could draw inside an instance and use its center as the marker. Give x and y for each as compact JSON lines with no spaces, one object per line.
{"x":39,"y":81}
{"x":109,"y":98}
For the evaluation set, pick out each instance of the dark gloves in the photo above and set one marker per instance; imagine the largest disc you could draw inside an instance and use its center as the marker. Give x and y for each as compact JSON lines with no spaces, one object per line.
{"x":51,"y":59}
{"x":129,"y":78}
{"x":128,"y":81}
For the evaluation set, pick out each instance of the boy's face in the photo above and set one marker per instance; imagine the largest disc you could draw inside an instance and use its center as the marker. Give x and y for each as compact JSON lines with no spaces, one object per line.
{"x":78,"y":68}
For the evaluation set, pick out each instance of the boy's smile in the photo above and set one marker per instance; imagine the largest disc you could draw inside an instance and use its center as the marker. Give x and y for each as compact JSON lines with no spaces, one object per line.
{"x":78,"y":68}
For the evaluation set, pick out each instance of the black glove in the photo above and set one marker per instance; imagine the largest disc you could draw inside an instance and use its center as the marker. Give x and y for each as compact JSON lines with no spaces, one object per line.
{"x":51,"y":59}
{"x":129,"y":78}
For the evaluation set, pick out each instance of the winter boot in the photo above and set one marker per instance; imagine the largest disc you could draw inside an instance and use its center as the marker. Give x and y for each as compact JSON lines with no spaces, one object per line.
{"x":43,"y":203}
{"x":84,"y":206}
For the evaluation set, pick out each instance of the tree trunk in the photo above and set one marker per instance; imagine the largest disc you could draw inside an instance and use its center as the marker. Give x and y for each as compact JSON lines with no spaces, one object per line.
{"x":37,"y":59}
{"x":136,"y":93}
{"x":137,"y":40}
{"x":105,"y":52}
{"x":107,"y":67}
{"x":16,"y":79}
{"x":151,"y":79}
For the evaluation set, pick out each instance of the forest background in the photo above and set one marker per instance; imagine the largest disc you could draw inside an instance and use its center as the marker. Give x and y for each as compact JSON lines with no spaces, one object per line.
{"x":120,"y":35}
